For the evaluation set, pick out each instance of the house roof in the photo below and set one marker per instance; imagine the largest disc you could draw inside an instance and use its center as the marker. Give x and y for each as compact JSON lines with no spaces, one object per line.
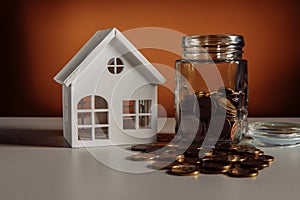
{"x":88,"y":52}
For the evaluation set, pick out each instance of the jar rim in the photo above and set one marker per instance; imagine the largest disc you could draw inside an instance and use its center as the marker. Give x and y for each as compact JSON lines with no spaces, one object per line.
{"x":213,"y":40}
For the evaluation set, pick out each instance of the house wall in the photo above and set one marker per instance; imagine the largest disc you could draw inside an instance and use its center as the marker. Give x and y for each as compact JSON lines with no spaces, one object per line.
{"x":95,"y":79}
{"x":67,"y":105}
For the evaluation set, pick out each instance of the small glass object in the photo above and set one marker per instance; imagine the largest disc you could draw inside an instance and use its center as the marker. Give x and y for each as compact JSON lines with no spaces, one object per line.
{"x":275,"y":133}
{"x":211,"y":92}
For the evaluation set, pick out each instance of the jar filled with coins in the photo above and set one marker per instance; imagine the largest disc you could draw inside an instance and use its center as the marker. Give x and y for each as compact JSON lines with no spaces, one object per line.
{"x":211,"y":90}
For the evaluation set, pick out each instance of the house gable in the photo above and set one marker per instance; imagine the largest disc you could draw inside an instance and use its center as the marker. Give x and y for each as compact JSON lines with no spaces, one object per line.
{"x":94,"y":46}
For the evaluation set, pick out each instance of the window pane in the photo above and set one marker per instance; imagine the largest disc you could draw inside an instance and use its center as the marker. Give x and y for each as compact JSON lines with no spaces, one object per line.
{"x":111,"y":70}
{"x":129,"y":107}
{"x":101,"y":133}
{"x":101,"y":118}
{"x":111,"y":61}
{"x":84,"y":134}
{"x":84,"y":118}
{"x":119,"y":61}
{"x":144,"y":106}
{"x":128,"y":122}
{"x":84,"y":103}
{"x":119,"y":70}
{"x":145,"y":122}
{"x":100,"y":103}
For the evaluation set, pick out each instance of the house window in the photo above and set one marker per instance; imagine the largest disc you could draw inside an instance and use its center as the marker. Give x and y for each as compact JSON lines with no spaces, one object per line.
{"x":136,"y":114}
{"x":92,"y":118}
{"x":115,"y":65}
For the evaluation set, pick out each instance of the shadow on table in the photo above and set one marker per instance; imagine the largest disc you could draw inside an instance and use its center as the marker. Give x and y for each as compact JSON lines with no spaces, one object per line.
{"x":43,"y":138}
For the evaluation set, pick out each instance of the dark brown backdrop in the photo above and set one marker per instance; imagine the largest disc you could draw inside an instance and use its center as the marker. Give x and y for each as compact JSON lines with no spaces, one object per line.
{"x":39,"y":37}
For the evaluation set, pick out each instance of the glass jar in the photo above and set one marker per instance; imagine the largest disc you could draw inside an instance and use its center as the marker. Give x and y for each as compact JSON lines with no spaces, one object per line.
{"x":211,"y":90}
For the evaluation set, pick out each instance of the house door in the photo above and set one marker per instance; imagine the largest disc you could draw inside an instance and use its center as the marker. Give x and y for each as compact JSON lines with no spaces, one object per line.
{"x":93,"y":118}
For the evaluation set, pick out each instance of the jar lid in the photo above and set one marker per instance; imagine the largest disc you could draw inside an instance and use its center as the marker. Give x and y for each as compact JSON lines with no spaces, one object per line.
{"x":213,"y":40}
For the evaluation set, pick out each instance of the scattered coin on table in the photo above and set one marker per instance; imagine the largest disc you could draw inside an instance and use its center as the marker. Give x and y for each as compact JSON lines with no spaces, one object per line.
{"x":232,"y":160}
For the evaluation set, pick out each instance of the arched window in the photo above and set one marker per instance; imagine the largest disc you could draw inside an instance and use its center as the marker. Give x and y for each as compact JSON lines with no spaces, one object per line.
{"x":115,"y":65}
{"x":92,"y":118}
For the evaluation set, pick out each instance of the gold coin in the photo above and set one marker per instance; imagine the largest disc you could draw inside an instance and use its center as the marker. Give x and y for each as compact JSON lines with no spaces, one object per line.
{"x":242,"y":172}
{"x":218,"y":165}
{"x":230,"y":158}
{"x":248,"y":150}
{"x":212,"y":171}
{"x":165,"y":137}
{"x":142,"y":157}
{"x":224,"y":146}
{"x":216,"y":152}
{"x":140,"y":147}
{"x":267,"y":158}
{"x":184,"y":170}
{"x":152,"y":148}
{"x":254,"y":163}
{"x":192,"y":160}
{"x":180,"y":158}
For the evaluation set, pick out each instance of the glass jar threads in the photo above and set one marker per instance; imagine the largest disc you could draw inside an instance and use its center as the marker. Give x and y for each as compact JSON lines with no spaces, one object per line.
{"x":211,"y":89}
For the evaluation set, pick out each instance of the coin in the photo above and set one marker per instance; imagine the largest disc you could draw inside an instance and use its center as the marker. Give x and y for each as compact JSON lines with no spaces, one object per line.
{"x":226,"y":131}
{"x":142,"y":157}
{"x":150,"y":149}
{"x":254,"y":163}
{"x":242,"y":172}
{"x":140,"y":147}
{"x":207,"y":107}
{"x":248,"y":150}
{"x":180,"y":158}
{"x":230,"y":158}
{"x":211,"y":171}
{"x":165,"y":137}
{"x":159,"y":144}
{"x":184,"y":170}
{"x":216,"y":152}
{"x":192,"y":160}
{"x":217,"y":165}
{"x":224,"y":158}
{"x":200,"y":94}
{"x":233,"y":131}
{"x":224,"y":146}
{"x":225,"y":104}
{"x":267,"y":158}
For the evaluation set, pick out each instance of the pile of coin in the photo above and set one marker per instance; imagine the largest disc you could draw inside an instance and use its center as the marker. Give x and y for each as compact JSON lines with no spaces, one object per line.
{"x":197,"y":110}
{"x":225,"y":158}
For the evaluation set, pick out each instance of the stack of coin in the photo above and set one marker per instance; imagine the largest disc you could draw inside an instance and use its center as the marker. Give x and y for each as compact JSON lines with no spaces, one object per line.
{"x":197,"y":109}
{"x":225,"y":158}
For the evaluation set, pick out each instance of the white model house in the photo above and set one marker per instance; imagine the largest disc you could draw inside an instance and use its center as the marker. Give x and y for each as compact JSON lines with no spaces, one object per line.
{"x":109,"y":93}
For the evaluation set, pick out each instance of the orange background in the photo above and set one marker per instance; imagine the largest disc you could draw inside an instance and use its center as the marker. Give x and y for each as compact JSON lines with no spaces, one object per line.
{"x":39,"y":38}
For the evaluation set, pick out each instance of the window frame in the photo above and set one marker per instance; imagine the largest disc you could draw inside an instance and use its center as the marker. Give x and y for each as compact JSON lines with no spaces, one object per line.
{"x":137,"y":114}
{"x":93,"y":125}
{"x":115,"y":66}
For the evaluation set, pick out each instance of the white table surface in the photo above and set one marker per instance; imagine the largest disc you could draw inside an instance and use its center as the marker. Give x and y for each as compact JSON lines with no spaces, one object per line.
{"x":37,"y":164}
